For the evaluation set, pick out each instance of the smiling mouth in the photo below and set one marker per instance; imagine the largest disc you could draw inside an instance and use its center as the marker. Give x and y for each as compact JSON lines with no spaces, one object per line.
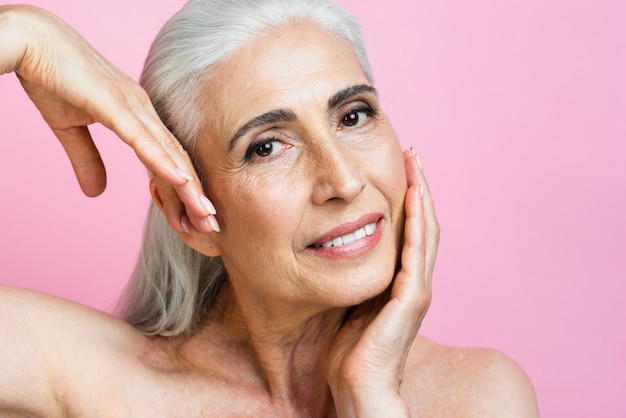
{"x":350,"y":237}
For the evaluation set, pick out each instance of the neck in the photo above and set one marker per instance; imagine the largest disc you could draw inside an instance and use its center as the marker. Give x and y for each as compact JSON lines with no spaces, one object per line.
{"x":284,"y":352}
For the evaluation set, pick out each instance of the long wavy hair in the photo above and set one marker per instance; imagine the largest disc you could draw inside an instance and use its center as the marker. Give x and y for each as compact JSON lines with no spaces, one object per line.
{"x":173,"y":286}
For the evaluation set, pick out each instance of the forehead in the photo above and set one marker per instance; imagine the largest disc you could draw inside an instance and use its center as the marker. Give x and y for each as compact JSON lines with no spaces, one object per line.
{"x":296,"y":65}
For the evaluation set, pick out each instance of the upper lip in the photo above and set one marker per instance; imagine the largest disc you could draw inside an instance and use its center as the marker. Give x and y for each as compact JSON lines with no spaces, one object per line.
{"x":347,"y":227}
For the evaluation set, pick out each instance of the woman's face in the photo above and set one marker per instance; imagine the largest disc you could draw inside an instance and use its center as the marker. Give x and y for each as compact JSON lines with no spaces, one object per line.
{"x":305,"y":171}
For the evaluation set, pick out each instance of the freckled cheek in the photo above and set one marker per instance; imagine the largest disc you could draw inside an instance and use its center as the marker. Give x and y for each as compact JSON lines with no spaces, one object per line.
{"x":385,"y":165}
{"x":259,"y":211}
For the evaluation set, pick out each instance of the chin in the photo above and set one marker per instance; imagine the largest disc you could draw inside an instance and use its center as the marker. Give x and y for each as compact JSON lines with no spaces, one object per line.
{"x":367,"y":286}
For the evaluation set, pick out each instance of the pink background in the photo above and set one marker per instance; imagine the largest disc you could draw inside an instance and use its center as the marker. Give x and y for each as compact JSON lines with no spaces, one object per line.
{"x":517,"y":109}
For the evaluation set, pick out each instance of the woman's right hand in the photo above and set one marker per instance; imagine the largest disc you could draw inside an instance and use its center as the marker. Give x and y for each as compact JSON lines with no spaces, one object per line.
{"x":73,"y":86}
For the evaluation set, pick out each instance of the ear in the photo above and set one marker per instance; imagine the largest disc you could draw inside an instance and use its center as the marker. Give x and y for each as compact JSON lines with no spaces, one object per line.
{"x":166,"y":199}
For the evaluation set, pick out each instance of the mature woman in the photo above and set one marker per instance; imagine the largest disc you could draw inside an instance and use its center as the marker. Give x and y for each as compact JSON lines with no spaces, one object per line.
{"x":298,"y":290}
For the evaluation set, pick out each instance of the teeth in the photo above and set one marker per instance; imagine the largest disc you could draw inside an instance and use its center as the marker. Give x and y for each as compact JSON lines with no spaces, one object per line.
{"x":350,"y":237}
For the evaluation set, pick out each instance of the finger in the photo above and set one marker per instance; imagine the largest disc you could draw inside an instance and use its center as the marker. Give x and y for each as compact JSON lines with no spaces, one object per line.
{"x":98,"y":89}
{"x":432,"y":230}
{"x":161,"y":153}
{"x":155,"y":147}
{"x":189,"y":199}
{"x":172,"y":207}
{"x":412,"y":176}
{"x":166,"y":198}
{"x":410,"y":279}
{"x":85,"y":158}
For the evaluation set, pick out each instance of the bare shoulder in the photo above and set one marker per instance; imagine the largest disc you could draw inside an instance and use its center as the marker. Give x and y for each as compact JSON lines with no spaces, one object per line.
{"x":464,"y":381}
{"x":48,"y":316}
{"x":48,"y":346}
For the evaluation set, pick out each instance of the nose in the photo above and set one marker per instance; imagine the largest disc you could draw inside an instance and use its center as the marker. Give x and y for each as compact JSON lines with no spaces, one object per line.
{"x":337,"y":173}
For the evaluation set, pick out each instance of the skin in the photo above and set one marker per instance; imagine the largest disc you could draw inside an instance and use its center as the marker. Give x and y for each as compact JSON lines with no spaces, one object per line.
{"x":329,"y":172}
{"x":87,"y":89}
{"x":278,"y":341}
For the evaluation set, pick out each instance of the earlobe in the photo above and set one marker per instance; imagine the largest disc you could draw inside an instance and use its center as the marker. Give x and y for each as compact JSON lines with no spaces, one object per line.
{"x":204,"y":242}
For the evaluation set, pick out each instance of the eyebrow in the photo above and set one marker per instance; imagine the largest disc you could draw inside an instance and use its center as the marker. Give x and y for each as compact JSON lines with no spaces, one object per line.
{"x":287,"y":115}
{"x":349,"y":92}
{"x":269,"y":118}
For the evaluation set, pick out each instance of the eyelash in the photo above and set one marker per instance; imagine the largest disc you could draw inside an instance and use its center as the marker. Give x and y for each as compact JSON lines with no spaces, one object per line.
{"x":367,"y":109}
{"x":256,"y":145}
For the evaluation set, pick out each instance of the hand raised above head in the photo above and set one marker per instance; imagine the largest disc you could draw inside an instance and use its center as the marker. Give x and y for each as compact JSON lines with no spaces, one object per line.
{"x":73,"y":86}
{"x":367,"y":358}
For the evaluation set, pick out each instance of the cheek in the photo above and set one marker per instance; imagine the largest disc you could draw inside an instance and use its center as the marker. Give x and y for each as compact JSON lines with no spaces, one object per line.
{"x":257,"y":237}
{"x":385,"y":165}
{"x":255,"y":214}
{"x":388,"y":176}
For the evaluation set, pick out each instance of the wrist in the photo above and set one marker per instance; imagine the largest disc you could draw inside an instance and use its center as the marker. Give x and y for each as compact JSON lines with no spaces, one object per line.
{"x":372,"y":402}
{"x":12,"y":43}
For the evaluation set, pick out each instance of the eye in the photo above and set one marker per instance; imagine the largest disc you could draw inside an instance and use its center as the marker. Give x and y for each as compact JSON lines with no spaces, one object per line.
{"x":354,"y":118}
{"x":357,"y":116}
{"x":264,"y":149}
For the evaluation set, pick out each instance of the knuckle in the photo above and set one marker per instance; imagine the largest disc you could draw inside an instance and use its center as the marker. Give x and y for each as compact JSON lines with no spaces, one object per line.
{"x":172,"y":145}
{"x":140,"y":138}
{"x":139,"y":92}
{"x":423,"y":300}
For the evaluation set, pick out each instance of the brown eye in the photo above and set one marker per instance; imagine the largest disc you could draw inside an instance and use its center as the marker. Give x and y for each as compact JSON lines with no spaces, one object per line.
{"x":265,"y":150}
{"x":352,"y":118}
{"x":268,"y":148}
{"x":358,"y":116}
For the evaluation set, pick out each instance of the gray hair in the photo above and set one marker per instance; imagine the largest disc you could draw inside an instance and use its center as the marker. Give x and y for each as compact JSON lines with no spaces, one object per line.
{"x":174,"y":286}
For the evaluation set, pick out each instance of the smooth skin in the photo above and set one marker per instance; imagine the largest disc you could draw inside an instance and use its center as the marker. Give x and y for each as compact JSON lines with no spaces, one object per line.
{"x":61,"y":359}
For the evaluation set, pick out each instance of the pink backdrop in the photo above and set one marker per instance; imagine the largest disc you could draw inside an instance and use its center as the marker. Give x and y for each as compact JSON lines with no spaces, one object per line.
{"x":517,"y":109}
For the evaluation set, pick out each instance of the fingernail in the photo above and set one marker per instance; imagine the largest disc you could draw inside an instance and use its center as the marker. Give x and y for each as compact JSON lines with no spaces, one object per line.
{"x":413,"y":151}
{"x":207,"y":205}
{"x":184,"y":223}
{"x":183,"y":174}
{"x":213,"y":223}
{"x":422,"y":190}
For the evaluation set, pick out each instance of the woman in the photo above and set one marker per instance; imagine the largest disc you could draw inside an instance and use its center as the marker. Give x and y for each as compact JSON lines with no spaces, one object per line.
{"x":298,"y":290}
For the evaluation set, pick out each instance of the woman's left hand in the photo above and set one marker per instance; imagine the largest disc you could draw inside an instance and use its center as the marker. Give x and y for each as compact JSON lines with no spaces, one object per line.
{"x":367,"y":357}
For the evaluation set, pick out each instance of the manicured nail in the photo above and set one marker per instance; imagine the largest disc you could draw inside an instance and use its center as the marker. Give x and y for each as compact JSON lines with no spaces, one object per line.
{"x":207,"y":205}
{"x":184,"y":223}
{"x":213,"y":223}
{"x":183,"y":174}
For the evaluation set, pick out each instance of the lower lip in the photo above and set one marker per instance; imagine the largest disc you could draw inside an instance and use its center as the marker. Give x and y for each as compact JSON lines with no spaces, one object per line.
{"x":354,"y":249}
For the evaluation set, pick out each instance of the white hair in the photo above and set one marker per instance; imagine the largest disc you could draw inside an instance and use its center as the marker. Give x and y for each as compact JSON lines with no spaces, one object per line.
{"x":174,"y":286}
